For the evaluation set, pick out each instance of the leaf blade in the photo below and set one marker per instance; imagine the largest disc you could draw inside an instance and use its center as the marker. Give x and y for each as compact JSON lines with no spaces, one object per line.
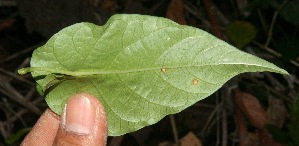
{"x":140,"y":67}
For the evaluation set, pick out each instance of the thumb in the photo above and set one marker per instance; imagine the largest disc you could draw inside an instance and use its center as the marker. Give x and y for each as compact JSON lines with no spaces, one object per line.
{"x":83,"y":122}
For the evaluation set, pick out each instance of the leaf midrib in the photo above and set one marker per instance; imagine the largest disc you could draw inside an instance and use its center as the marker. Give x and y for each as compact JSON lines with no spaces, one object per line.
{"x":98,"y":72}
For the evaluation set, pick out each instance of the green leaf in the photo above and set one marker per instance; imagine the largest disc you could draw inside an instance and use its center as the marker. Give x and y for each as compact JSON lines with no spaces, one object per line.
{"x":241,"y":33}
{"x":141,"y":68}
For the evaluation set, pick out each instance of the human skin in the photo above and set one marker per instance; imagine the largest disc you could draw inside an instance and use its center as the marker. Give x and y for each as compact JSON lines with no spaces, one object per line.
{"x":83,"y":122}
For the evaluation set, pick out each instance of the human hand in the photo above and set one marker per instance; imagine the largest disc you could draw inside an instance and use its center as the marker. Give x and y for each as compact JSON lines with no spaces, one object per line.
{"x":83,"y":122}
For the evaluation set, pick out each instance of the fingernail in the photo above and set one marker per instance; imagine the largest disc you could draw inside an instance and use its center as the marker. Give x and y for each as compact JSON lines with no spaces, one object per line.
{"x":79,"y":115}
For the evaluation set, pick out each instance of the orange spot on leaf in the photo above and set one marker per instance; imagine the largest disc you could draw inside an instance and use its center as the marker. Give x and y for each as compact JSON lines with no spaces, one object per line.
{"x":164,"y":70}
{"x":195,"y":82}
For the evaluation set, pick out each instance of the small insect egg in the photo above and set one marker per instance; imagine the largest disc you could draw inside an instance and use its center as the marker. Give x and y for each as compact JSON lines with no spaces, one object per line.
{"x":195,"y":82}
{"x":164,"y":70}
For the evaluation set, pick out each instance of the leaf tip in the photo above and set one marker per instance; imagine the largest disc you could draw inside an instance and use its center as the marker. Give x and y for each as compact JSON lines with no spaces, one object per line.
{"x":285,"y":73}
{"x":282,"y":71}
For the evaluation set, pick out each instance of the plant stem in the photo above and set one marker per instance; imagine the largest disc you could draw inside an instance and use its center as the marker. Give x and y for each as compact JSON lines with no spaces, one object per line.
{"x":174,"y":130}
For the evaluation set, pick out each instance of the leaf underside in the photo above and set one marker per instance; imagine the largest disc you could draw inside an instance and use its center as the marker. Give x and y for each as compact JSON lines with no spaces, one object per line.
{"x":141,"y":68}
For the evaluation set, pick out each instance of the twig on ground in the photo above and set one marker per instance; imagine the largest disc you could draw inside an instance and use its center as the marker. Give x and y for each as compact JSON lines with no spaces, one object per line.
{"x":294,"y":63}
{"x":30,"y":93}
{"x":225,"y":93}
{"x":195,"y":12}
{"x":27,"y":50}
{"x":14,"y":95}
{"x":276,"y":54}
{"x":267,"y":49}
{"x":274,"y":81}
{"x":14,"y":115}
{"x":3,"y":130}
{"x":174,"y":130}
{"x":16,"y":77}
{"x":291,"y":80}
{"x":262,"y":19}
{"x":224,"y":127}
{"x":273,"y":23}
{"x":218,"y":113}
{"x":210,"y":118}
{"x":275,"y":92}
{"x":213,"y":19}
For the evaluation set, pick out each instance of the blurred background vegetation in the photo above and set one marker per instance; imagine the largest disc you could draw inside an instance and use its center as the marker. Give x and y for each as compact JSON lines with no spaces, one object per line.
{"x":251,"y":109}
